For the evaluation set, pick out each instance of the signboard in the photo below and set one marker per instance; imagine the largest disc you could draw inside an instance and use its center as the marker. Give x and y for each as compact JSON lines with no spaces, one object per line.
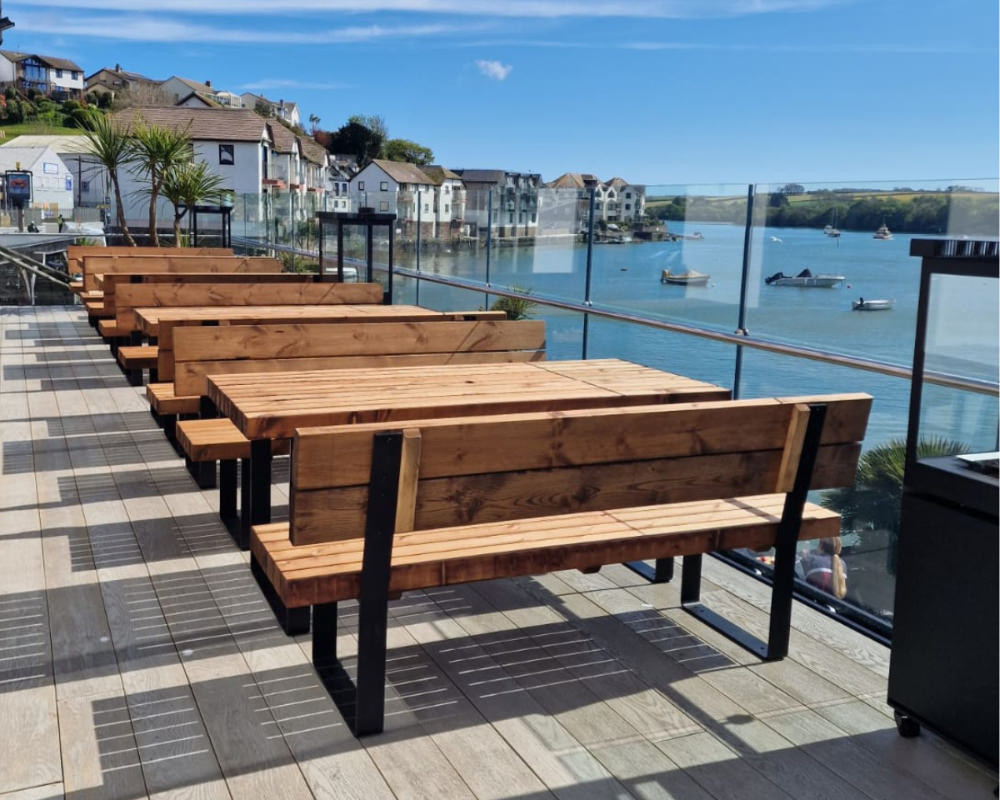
{"x":18,"y":187}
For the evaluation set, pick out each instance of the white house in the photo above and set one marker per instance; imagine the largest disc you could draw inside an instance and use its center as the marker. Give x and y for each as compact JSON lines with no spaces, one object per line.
{"x":236,"y":144}
{"x":282,"y":109}
{"x":89,"y":177}
{"x":51,"y":179}
{"x":449,"y":202}
{"x":400,"y":188}
{"x":176,"y":89}
{"x":58,"y":77}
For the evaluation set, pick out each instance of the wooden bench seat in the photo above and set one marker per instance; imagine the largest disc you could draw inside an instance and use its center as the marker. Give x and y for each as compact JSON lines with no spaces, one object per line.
{"x":377,"y":509}
{"x":133,"y":359}
{"x":165,"y":403}
{"x":108,"y":328}
{"x":218,"y":439}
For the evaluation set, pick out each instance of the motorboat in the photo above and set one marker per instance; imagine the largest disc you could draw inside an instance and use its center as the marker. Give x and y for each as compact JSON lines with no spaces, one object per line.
{"x":871,"y":305}
{"x":687,"y":278}
{"x":805,"y":279}
{"x":883,"y":232}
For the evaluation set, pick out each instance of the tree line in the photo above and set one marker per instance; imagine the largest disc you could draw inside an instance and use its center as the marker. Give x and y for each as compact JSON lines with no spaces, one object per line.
{"x":974,"y":213}
{"x":367,"y":138}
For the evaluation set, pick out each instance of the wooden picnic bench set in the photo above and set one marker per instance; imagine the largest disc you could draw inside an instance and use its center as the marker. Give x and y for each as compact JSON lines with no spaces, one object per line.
{"x":430,"y":449}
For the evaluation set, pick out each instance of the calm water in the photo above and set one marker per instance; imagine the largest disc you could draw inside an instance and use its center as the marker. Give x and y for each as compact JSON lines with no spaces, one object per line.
{"x":626,"y":277}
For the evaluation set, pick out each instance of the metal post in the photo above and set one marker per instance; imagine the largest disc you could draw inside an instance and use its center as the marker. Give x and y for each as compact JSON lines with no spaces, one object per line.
{"x":741,"y":325}
{"x":419,"y":233}
{"x":340,"y":251}
{"x":391,"y":265}
{"x":489,"y":239}
{"x":590,"y":262}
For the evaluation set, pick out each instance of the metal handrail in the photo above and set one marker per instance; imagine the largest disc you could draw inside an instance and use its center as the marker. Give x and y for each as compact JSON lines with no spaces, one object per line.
{"x":740,"y":339}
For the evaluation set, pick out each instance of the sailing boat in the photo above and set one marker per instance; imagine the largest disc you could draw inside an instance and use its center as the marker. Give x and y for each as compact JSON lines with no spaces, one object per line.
{"x":831,"y":230}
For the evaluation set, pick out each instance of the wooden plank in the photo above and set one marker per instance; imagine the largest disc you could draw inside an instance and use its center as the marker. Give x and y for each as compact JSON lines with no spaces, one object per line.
{"x":304,"y":341}
{"x":128,"y":297}
{"x":792,"y":452}
{"x":335,"y":456}
{"x":170,"y":260}
{"x":108,"y":283}
{"x":509,"y":549}
{"x":409,"y":477}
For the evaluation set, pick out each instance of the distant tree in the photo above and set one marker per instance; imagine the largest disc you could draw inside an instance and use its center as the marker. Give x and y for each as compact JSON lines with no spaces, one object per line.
{"x":156,"y":151}
{"x":792,"y":188}
{"x":405,"y":150}
{"x":263,"y":109}
{"x":109,"y":142}
{"x":357,"y":140}
{"x":313,"y":123}
{"x":373,"y":122}
{"x":777,"y":200}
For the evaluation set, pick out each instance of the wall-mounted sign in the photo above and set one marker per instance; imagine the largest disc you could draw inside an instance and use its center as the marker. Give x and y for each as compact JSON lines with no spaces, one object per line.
{"x":18,"y":187}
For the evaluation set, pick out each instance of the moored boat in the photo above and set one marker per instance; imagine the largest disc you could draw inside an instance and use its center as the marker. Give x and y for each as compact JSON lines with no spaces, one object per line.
{"x":883,"y":232}
{"x":871,"y":305}
{"x":805,"y":279}
{"x":687,"y":278}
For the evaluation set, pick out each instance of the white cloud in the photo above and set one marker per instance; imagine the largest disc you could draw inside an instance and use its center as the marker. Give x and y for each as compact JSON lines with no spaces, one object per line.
{"x":494,"y":69}
{"x":669,"y":9}
{"x":150,"y":29}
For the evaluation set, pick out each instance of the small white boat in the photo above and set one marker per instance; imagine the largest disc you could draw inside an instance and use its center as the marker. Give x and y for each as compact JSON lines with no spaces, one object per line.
{"x":688,"y":278}
{"x":883,"y":232}
{"x":871,"y":305}
{"x":805,"y":280}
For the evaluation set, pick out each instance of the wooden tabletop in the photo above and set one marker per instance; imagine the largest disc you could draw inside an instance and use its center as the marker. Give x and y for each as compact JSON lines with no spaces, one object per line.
{"x":149,"y":319}
{"x":266,"y":405}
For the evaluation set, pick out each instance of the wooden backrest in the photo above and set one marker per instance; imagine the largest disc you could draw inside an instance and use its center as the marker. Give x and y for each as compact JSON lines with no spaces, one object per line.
{"x":114,"y":279}
{"x":493,"y":468}
{"x":131,"y":296}
{"x":176,"y":261}
{"x":200,"y":352}
{"x":76,"y":253}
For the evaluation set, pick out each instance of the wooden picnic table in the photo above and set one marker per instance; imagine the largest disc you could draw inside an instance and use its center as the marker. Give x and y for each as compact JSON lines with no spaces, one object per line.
{"x":267,"y":406}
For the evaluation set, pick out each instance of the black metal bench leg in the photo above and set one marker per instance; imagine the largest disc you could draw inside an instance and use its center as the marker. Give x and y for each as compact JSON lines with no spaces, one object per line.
{"x":227,"y":499}
{"x":154,"y":375}
{"x":293,"y":621}
{"x":134,"y":377}
{"x":203,"y":473}
{"x":243,"y":523}
{"x":661,"y":572}
{"x":169,"y":424}
{"x":324,"y":635}
{"x":373,"y":613}
{"x":782,"y":585}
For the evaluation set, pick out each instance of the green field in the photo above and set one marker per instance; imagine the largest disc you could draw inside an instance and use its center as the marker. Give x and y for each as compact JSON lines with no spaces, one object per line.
{"x":38,"y":128}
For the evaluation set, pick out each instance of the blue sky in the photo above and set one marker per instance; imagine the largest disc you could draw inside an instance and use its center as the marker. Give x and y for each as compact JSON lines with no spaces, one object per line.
{"x":657,"y":91}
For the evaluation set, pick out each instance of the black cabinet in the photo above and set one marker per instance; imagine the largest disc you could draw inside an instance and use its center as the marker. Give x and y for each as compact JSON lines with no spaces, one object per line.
{"x":944,"y":666}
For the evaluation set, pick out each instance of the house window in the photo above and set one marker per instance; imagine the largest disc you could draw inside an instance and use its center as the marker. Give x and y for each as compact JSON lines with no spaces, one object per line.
{"x":383,"y":205}
{"x":383,"y":186}
{"x":227,"y":154}
{"x":447,"y":189}
{"x":446,"y":208}
{"x":84,"y":186}
{"x":59,"y":73}
{"x":427,"y":207}
{"x":628,"y":206}
{"x":76,"y":75}
{"x":361,"y":186}
{"x":628,"y":195}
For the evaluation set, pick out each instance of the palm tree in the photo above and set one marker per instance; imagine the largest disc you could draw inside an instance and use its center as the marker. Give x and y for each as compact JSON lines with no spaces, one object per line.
{"x":110,"y":143}
{"x":874,"y":501}
{"x":156,"y":151}
{"x":185,"y":185}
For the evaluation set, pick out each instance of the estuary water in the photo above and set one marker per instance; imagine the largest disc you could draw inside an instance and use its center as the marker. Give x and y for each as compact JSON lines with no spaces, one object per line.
{"x":626,"y":277}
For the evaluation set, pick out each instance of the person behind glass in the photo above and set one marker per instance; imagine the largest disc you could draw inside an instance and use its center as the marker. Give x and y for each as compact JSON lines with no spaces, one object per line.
{"x":824,"y":568}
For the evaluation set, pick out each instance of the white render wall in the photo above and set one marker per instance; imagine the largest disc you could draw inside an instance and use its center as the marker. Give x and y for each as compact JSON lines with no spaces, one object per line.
{"x":67,"y":81}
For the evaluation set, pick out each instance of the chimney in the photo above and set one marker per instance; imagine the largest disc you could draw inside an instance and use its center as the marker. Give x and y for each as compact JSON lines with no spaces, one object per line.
{"x":118,"y":67}
{"x":208,"y":84}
